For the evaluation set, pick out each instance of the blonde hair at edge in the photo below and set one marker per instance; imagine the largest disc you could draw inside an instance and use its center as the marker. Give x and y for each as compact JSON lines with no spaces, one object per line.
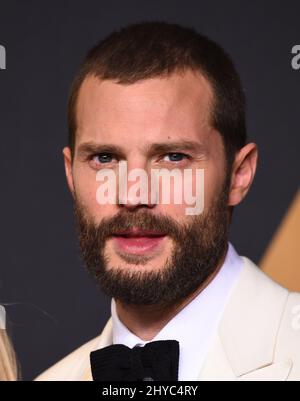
{"x":8,"y":367}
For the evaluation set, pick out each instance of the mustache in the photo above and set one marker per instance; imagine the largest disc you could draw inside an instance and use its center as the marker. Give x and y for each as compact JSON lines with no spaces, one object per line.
{"x":124,"y":220}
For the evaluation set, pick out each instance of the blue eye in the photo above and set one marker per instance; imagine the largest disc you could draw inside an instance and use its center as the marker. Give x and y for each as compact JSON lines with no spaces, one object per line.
{"x":175,"y":157}
{"x":103,"y":158}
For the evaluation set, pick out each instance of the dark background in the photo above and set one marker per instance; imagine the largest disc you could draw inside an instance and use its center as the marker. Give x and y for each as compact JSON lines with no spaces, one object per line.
{"x":52,"y":303}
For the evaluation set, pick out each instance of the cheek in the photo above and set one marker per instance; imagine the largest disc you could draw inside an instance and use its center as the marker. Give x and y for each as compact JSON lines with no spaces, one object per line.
{"x":215,"y":170}
{"x":86,"y":188}
{"x":213,"y":182}
{"x":185,"y":196}
{"x":176,"y":212}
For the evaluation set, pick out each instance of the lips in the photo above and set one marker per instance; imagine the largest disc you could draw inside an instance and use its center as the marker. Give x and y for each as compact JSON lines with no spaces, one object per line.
{"x":135,"y":232}
{"x":138,"y":242}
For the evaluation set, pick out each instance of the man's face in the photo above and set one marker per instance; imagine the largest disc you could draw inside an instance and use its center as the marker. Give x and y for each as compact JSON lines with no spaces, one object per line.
{"x":155,"y":123}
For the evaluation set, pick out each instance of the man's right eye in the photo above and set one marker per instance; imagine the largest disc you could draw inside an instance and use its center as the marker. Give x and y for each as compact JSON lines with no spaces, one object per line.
{"x":102,"y":158}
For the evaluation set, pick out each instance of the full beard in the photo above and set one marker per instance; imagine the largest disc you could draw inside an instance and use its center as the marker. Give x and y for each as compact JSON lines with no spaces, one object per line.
{"x":198,"y":246}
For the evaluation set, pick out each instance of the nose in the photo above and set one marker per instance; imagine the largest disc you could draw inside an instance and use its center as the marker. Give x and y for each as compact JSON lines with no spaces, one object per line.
{"x":134,"y":186}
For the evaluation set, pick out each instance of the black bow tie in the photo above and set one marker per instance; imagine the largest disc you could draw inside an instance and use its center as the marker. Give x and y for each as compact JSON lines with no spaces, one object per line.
{"x":157,"y":360}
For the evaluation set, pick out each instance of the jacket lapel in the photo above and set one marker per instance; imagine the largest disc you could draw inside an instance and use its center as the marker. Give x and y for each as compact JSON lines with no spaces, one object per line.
{"x":245,"y":345}
{"x":105,"y":339}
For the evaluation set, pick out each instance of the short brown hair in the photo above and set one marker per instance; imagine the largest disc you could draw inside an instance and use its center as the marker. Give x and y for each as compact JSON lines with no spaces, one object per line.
{"x":152,"y":49}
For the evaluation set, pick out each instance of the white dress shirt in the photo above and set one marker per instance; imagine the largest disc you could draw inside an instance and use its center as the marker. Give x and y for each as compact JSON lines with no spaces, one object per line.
{"x":195,"y":326}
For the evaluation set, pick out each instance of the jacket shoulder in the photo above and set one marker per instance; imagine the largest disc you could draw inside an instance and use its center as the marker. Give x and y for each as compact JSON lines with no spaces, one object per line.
{"x":287,"y":342}
{"x":70,"y":367}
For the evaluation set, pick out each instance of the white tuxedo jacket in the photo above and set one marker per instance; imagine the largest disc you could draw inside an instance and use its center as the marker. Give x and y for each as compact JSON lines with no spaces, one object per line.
{"x":258,"y":337}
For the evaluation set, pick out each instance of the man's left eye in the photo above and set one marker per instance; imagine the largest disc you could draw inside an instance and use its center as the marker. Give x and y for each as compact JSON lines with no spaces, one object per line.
{"x":175,"y":157}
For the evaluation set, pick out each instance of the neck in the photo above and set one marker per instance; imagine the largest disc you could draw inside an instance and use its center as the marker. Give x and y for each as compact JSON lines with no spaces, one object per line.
{"x":146,"y":321}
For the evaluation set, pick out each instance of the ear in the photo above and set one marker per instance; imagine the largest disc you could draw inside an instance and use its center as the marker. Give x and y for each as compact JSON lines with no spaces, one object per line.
{"x":68,"y":168}
{"x":243,"y":173}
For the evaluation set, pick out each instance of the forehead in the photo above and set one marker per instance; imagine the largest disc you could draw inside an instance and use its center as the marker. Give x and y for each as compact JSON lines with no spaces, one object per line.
{"x":177,"y":106}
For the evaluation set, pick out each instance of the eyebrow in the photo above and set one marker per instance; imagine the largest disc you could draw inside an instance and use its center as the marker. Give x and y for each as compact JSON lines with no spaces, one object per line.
{"x":185,"y":145}
{"x":152,"y":149}
{"x":94,"y":148}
